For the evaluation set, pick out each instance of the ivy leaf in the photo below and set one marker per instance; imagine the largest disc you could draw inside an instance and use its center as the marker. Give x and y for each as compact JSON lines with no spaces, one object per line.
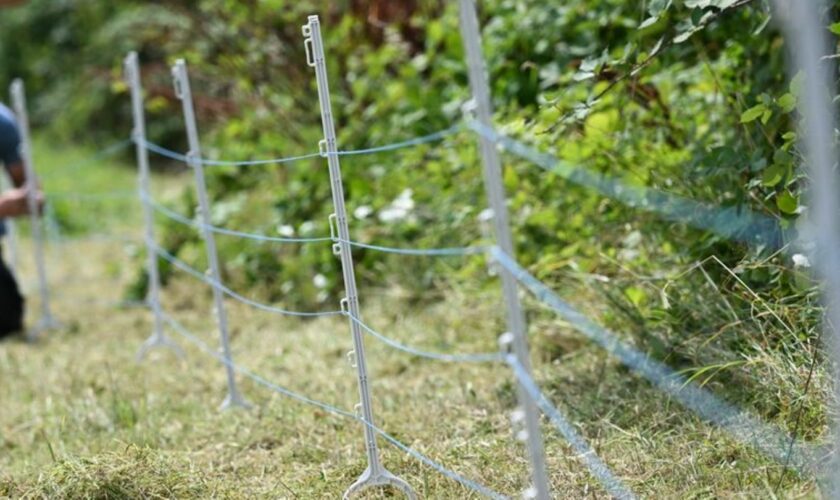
{"x":787,"y":203}
{"x":636,"y":295}
{"x":657,"y":7}
{"x":753,"y":113}
{"x":787,"y":102}
{"x":773,"y":175}
{"x":649,"y":22}
{"x":783,"y":158}
{"x":687,"y":34}
{"x":768,"y":113}
{"x":763,"y":25}
{"x":723,"y":4}
{"x":835,"y":28}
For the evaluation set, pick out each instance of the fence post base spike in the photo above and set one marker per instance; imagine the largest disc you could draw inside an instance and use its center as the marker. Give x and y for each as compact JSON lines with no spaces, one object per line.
{"x":235,"y":400}
{"x":44,"y":324}
{"x":382,"y":478}
{"x":156,"y":341}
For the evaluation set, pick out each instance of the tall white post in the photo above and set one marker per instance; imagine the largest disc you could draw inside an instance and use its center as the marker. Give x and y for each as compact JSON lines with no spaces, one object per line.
{"x":810,"y":45}
{"x":158,"y":337}
{"x":184,"y":93}
{"x":515,"y":340}
{"x":375,"y":474}
{"x":47,"y":321}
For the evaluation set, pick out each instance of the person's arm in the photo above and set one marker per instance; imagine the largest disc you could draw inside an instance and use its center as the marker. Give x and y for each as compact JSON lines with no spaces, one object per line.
{"x":14,"y":203}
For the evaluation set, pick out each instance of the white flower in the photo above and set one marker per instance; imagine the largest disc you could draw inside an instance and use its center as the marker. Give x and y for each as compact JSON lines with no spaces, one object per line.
{"x":307,"y":227}
{"x":391,"y":214}
{"x":404,"y":200}
{"x":362,"y":212}
{"x":286,"y":230}
{"x":320,"y":281}
{"x":800,"y":260}
{"x":399,"y":208}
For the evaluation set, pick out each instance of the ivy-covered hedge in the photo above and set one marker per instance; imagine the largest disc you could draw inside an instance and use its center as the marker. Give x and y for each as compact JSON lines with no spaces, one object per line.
{"x":688,"y":96}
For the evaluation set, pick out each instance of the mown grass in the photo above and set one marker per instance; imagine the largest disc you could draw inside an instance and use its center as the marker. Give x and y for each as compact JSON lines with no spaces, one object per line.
{"x":82,"y":419}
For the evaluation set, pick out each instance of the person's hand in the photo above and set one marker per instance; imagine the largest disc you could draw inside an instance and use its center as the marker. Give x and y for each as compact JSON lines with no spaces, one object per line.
{"x":14,"y":203}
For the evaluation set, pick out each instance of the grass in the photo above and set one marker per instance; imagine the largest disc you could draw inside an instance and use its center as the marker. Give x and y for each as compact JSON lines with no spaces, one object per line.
{"x":82,"y":419}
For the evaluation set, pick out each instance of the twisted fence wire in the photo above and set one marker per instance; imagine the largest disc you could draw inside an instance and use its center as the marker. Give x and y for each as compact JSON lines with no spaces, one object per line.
{"x":118,"y":194}
{"x":103,"y":153}
{"x":183,"y":266}
{"x":171,"y":214}
{"x":430,"y":252}
{"x":740,"y":424}
{"x":427,"y":252}
{"x":736,"y":223}
{"x":417,"y":141}
{"x":174,"y":155}
{"x":586,"y":453}
{"x":468,"y":483}
{"x":451,"y":358}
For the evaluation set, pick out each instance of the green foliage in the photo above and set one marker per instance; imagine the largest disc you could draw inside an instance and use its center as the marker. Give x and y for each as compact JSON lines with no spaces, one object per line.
{"x":684,"y":96}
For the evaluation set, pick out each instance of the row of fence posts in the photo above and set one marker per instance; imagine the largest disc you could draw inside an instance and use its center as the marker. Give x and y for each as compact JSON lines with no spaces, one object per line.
{"x":525,"y":419}
{"x":375,"y":474}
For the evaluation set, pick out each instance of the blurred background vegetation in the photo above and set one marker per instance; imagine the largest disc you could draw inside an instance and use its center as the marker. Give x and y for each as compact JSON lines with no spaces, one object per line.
{"x":688,"y":96}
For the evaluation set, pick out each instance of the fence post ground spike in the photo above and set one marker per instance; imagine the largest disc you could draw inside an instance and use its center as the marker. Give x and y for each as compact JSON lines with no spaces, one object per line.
{"x":155,"y":342}
{"x":383,"y":478}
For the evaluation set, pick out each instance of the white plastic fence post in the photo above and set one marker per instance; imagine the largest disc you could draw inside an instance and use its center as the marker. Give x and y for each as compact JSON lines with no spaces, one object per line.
{"x":47,"y":321}
{"x":158,"y":337}
{"x":375,"y":474}
{"x":527,"y":413}
{"x":809,"y":44}
{"x":184,"y":93}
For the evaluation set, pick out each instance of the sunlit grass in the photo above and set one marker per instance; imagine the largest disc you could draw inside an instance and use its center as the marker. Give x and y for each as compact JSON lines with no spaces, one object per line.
{"x":81,"y":418}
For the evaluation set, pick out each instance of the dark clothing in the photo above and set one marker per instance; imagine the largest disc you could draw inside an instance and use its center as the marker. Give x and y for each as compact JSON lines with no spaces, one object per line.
{"x":9,"y":144}
{"x":11,"y":302}
{"x":9,"y":137}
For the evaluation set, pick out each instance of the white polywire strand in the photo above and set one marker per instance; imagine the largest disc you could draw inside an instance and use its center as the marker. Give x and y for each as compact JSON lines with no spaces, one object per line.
{"x":183,"y":266}
{"x":740,"y":424}
{"x":424,"y":139}
{"x":599,"y":469}
{"x":452,"y":358}
{"x":430,"y":252}
{"x":736,"y":222}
